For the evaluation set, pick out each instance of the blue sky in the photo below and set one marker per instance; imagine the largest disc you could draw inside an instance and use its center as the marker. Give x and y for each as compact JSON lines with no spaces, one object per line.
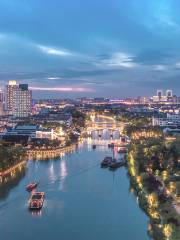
{"x":71,"y":48}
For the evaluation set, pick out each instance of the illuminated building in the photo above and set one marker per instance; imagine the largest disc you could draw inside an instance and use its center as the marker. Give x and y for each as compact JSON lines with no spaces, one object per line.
{"x":171,"y":120}
{"x":159,"y":94}
{"x":160,"y":98}
{"x":1,"y":95}
{"x":10,"y":87}
{"x":21,"y":101}
{"x":169,"y":93}
{"x":32,"y":131}
{"x":1,"y":102}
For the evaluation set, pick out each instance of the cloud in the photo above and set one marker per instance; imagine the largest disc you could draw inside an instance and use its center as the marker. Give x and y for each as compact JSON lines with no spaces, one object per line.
{"x":160,"y":67}
{"x":2,"y":36}
{"x":81,"y":42}
{"x":54,"y":51}
{"x":62,"y":89}
{"x":165,"y":15}
{"x":154,"y":56}
{"x":177,"y":65}
{"x":118,"y":59}
{"x":167,"y":21}
{"x":54,"y":78}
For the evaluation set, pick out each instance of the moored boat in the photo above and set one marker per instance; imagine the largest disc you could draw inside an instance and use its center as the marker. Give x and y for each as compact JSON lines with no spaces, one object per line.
{"x":111,"y":145}
{"x":106,"y":161}
{"x":36,"y":200}
{"x":31,"y":186}
{"x":115,"y":165}
{"x":122,"y":150}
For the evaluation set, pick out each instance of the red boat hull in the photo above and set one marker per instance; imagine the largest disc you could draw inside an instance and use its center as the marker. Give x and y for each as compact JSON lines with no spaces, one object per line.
{"x":31,"y":186}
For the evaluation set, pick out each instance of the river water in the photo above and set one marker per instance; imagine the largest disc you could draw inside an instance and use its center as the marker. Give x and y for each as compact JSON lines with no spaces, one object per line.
{"x":83,"y":201}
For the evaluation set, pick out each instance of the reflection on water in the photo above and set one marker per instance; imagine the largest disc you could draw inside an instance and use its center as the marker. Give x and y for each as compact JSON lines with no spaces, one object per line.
{"x":63,"y":174}
{"x":10,"y":181}
{"x":105,"y":134}
{"x":52,"y":175}
{"x":36,"y":213}
{"x":82,"y":201}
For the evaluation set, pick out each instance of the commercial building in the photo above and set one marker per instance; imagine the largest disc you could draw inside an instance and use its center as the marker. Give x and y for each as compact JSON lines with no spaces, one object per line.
{"x":22,"y":101}
{"x":169,"y":93}
{"x":160,"y":98}
{"x":171,"y":120}
{"x":32,"y":131}
{"x":2,"y":103}
{"x":1,"y":108}
{"x":2,"y":95}
{"x":53,"y":116}
{"x":159,"y":94}
{"x":10,"y":87}
{"x":18,"y":99}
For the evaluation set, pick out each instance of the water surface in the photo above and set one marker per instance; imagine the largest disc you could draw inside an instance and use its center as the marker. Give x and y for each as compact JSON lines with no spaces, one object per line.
{"x":83,"y":201}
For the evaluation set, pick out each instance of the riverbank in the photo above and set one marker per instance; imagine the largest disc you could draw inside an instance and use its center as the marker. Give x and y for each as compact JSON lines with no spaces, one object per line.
{"x":40,"y":154}
{"x":11,"y":158}
{"x":44,"y":154}
{"x":12,"y":169}
{"x":151,"y":167}
{"x":76,"y":188}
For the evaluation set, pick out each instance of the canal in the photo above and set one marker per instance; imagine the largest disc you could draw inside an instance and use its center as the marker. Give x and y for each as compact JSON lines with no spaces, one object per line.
{"x":83,"y":201}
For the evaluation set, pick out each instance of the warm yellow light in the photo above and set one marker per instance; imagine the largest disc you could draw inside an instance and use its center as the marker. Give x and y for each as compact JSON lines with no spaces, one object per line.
{"x":152,"y":200}
{"x":12,"y":82}
{"x":167,"y":230}
{"x":164,"y":175}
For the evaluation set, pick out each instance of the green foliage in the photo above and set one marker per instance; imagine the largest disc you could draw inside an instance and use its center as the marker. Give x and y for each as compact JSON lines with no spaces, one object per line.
{"x":78,"y":119}
{"x":149,"y":156}
{"x":53,"y":125}
{"x":10,"y":156}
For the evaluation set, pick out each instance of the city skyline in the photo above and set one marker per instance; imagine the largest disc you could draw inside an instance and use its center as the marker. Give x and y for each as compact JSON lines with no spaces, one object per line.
{"x":73,"y":49}
{"x":163,"y":92}
{"x":89,"y":119}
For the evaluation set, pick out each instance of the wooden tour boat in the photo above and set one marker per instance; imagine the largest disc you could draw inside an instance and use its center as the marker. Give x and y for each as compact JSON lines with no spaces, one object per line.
{"x":36,"y":200}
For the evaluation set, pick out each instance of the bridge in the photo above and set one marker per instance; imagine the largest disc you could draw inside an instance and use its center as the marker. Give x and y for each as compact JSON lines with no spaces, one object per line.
{"x":100,"y":126}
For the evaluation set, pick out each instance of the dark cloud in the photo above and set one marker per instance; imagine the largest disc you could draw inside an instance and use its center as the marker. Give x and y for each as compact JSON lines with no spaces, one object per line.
{"x":154,"y":56}
{"x":116,"y":47}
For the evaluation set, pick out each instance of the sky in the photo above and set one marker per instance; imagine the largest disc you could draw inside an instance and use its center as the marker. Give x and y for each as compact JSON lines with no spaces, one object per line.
{"x":73,"y":48}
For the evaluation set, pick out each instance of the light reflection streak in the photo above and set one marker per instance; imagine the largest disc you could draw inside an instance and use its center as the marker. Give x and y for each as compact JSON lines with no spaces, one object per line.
{"x":52,"y":175}
{"x":63,"y":174}
{"x":104,"y":140}
{"x":37,"y":213}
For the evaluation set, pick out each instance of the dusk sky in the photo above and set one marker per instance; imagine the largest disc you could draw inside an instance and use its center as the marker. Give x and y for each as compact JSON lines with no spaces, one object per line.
{"x":105,"y":48}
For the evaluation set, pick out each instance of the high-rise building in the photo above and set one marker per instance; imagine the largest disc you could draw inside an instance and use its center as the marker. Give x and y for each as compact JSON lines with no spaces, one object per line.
{"x":2,"y":102}
{"x":1,"y":95}
{"x":18,"y":99}
{"x":21,"y":101}
{"x":10,"y":87}
{"x":159,"y":94}
{"x":169,"y":93}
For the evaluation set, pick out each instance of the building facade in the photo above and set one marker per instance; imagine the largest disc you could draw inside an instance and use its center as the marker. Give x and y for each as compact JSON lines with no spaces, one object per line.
{"x":169,"y":93}
{"x":2,"y":102}
{"x":21,"y":101}
{"x":32,"y":131}
{"x":160,"y":98}
{"x":18,"y":99}
{"x":10,"y":87}
{"x":171,"y":120}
